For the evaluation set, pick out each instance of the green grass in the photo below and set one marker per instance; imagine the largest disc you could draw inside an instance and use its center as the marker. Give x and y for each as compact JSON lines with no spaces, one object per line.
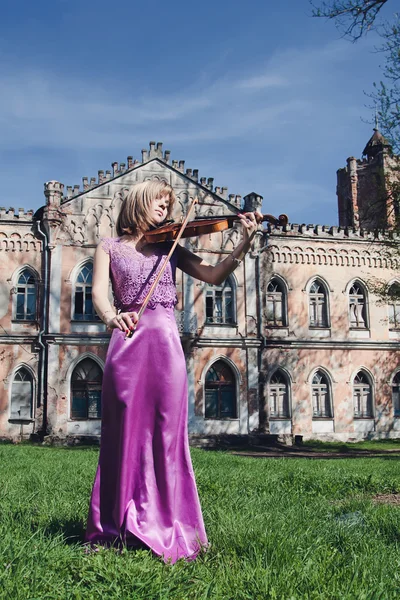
{"x":367,"y":445}
{"x":279,"y":528}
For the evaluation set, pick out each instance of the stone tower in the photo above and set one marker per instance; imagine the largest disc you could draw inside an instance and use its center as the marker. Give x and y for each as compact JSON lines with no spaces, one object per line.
{"x":365,"y":186}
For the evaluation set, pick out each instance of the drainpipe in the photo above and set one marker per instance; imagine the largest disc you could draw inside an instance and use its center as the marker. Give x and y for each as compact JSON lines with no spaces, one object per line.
{"x":42,"y":342}
{"x":260,"y":332}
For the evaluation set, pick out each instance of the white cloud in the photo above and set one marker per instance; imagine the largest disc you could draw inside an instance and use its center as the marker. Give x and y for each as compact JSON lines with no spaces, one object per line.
{"x":43,"y":110}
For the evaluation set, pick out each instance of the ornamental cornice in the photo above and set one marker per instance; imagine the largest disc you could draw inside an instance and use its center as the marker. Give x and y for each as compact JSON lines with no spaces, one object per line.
{"x":330,"y":256}
{"x":17,"y":242}
{"x":321,"y":344}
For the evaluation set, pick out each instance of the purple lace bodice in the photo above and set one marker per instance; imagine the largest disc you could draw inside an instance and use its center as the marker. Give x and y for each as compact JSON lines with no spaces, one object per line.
{"x":132,"y":274}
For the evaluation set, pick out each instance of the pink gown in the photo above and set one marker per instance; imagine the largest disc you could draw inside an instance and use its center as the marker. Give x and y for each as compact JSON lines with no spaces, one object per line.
{"x":145,"y":490}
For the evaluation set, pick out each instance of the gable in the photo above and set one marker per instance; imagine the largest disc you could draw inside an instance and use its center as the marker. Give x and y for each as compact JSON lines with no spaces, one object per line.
{"x":91,"y":214}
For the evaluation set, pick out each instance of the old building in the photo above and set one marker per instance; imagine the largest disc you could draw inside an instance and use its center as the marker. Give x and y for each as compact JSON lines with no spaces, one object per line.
{"x":293,"y":343}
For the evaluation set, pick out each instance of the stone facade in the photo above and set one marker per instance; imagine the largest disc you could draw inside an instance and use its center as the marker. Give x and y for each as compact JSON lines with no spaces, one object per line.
{"x":307,"y":349}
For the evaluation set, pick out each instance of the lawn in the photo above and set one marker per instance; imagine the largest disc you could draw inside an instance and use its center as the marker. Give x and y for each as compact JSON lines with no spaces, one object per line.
{"x":280,"y":528}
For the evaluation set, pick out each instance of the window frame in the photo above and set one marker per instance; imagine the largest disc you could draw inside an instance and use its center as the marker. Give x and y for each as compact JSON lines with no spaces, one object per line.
{"x":92,"y":317}
{"x":394,"y":383}
{"x":323,"y":373}
{"x":231,"y":283}
{"x":27,"y":286}
{"x":235,"y":392}
{"x":281,"y":283}
{"x":287,"y":379}
{"x":394,"y":304}
{"x":370,"y":381}
{"x":363,"y":287}
{"x":96,"y":386}
{"x":326,"y":321}
{"x":12,"y":418}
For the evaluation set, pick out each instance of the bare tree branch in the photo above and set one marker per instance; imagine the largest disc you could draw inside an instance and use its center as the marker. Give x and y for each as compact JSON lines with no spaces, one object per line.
{"x":354,"y":18}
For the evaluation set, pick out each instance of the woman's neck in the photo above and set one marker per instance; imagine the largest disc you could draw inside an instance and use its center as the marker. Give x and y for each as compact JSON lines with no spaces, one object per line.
{"x":133,"y":239}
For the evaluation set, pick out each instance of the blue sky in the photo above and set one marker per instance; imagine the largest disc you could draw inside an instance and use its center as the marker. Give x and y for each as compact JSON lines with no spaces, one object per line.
{"x":261,"y":97}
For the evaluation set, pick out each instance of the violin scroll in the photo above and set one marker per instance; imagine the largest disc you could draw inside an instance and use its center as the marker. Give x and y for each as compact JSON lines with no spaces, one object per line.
{"x":281,"y":220}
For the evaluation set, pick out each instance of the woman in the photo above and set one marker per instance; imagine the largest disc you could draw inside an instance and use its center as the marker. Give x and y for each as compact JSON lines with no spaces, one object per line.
{"x":144,"y":490}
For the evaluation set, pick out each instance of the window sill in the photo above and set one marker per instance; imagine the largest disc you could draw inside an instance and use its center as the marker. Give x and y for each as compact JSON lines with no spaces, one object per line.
{"x":363,"y":418}
{"x":83,"y":419}
{"x":319,"y":332}
{"x":209,"y":324}
{"x":18,"y":421}
{"x":279,"y":332}
{"x":25,"y":321}
{"x":358,"y":332}
{"x":323,"y":419}
{"x":91,"y":321}
{"x":221,"y":419}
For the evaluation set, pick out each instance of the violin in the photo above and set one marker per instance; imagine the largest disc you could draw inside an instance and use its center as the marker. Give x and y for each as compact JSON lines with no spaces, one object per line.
{"x":174,"y":231}
{"x":168,"y":231}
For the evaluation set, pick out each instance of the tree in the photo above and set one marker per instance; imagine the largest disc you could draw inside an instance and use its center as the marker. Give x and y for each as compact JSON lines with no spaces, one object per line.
{"x":354,"y":19}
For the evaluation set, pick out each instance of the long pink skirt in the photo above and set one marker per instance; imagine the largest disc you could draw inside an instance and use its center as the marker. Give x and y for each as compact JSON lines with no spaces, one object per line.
{"x":145,"y":489}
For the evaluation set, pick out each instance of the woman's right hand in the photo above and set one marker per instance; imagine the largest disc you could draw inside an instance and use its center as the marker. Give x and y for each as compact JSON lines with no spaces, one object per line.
{"x":125,"y":321}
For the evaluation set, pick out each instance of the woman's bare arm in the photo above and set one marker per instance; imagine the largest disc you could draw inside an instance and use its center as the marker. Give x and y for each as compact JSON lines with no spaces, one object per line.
{"x":101,"y":268}
{"x":196,"y":267}
{"x":107,"y":312}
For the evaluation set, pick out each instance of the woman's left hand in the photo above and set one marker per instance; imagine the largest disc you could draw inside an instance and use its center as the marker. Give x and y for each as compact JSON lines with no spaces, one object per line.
{"x":249,"y":223}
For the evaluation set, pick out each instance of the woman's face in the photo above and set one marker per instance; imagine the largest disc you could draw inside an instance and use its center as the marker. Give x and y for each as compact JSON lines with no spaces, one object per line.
{"x":159,"y":209}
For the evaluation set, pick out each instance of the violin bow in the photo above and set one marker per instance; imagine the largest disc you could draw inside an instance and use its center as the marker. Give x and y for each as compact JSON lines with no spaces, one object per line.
{"x":164,"y":266}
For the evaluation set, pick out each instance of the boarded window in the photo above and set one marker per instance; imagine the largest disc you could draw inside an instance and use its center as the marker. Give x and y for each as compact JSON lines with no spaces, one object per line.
{"x":86,"y":390}
{"x":220,"y":392}
{"x":22,"y":395}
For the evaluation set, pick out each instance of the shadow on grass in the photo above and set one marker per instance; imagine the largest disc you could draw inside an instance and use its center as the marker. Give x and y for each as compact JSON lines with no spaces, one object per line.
{"x":72,"y":531}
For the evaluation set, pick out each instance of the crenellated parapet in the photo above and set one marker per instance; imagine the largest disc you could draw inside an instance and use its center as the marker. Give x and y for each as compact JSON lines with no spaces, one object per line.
{"x":331,"y":231}
{"x":16,"y":216}
{"x":155,"y":151}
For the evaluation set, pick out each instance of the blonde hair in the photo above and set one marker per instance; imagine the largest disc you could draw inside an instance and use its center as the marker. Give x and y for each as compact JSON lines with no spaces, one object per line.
{"x":134,"y":213}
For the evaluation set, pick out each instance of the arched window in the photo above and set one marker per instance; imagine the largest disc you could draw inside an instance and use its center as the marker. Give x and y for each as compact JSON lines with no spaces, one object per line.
{"x":279,"y":396}
{"x":396,"y":394}
{"x":220,"y":392}
{"x":318,"y":305}
{"x":86,"y":384}
{"x":26,"y":296}
{"x":276,"y":304}
{"x":357,"y":306}
{"x":321,"y":396}
{"x":220,"y":303}
{"x":394,"y":306}
{"x":362,"y":396}
{"x":83,"y":307}
{"x":22,"y":395}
